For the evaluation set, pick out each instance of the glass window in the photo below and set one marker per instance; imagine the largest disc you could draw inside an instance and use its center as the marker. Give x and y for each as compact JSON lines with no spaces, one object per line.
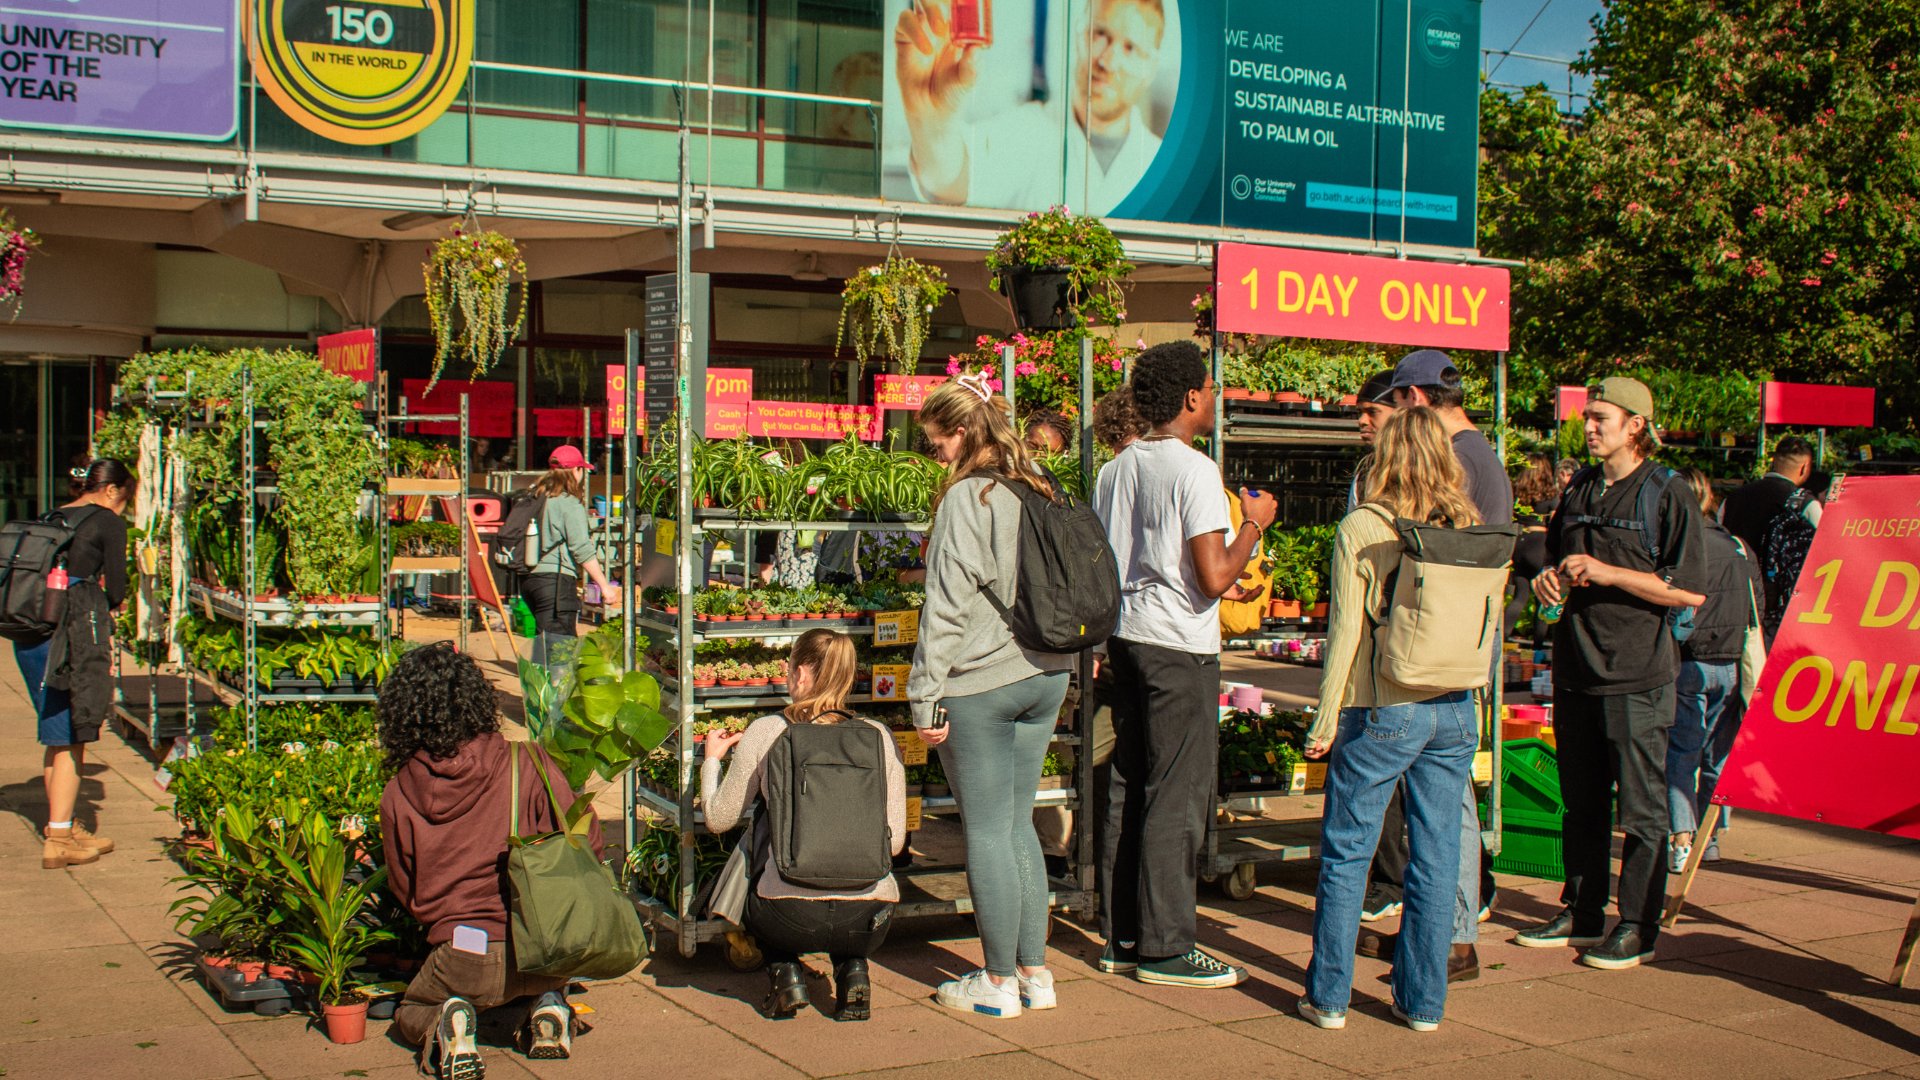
{"x":538,"y":33}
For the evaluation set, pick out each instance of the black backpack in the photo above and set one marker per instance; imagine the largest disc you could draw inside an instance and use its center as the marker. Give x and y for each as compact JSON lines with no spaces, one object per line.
{"x":1783,"y":551}
{"x":1067,"y":596}
{"x":510,"y":547}
{"x":825,"y":787}
{"x":1645,"y":522}
{"x":28,"y":551}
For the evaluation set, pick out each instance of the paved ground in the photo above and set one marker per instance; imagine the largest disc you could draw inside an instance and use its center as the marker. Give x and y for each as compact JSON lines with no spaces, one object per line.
{"x":1780,"y":975}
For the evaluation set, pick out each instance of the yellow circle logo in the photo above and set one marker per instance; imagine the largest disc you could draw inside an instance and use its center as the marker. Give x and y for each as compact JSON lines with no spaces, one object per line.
{"x":366,"y":73}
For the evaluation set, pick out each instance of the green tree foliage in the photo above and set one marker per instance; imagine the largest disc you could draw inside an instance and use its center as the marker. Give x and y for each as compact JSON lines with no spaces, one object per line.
{"x":1740,"y":197}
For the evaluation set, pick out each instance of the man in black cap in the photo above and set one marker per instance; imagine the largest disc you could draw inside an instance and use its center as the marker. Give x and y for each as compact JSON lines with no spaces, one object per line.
{"x":1428,"y":377}
{"x":1373,"y":413}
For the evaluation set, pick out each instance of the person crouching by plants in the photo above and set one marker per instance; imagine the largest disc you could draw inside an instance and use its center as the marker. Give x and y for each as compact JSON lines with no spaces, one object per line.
{"x":989,"y":704}
{"x":787,"y":918}
{"x":564,"y":549}
{"x":444,"y":818}
{"x":1383,"y":734}
{"x":69,"y":673}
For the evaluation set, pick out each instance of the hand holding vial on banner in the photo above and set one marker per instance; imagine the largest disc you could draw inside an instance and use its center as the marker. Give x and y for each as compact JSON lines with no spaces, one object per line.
{"x":937,"y":66}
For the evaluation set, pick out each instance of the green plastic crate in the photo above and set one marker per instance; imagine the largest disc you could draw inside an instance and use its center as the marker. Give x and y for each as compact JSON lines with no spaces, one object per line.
{"x":1530,"y":811}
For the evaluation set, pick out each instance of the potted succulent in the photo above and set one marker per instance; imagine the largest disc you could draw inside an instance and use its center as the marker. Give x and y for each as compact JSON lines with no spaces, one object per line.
{"x":888,"y":308}
{"x":469,"y":278}
{"x":776,"y":672}
{"x":1060,"y":270}
{"x":731,"y":673}
{"x":705,"y":675}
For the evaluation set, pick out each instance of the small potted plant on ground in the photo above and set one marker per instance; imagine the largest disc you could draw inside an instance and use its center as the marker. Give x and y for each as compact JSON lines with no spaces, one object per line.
{"x":329,"y":911}
{"x":1060,"y":270}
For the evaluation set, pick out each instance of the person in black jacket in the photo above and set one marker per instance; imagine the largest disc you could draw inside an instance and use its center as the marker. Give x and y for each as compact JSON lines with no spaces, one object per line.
{"x":1708,"y":705}
{"x":69,"y":675}
{"x":1749,"y":510}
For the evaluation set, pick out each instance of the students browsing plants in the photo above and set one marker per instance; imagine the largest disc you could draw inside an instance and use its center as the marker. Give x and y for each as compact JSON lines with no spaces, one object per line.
{"x":444,"y":817}
{"x":820,"y":878}
{"x":987,"y":702}
{"x":562,"y":550}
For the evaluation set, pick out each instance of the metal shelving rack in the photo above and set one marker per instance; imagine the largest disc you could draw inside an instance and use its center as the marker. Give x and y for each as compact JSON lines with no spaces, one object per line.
{"x":455,"y":486}
{"x":932,"y":891}
{"x":159,"y":724}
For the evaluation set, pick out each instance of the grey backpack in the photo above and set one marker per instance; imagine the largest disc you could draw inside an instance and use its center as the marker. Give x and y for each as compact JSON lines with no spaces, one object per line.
{"x":825,"y":787}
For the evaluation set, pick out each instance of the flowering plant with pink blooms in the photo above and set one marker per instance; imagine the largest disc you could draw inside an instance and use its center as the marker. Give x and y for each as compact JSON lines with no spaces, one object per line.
{"x":1046,"y":368}
{"x":1058,"y":239}
{"x":16,"y":243}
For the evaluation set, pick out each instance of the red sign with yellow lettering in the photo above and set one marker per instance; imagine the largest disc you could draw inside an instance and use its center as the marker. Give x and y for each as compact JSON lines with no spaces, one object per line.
{"x":1833,"y":732}
{"x":353,"y":353}
{"x":1288,"y":292}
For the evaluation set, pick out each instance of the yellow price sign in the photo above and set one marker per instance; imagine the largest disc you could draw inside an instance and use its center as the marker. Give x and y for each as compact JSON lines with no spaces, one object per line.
{"x":913,"y":814}
{"x":896,"y":628}
{"x":912,"y":750}
{"x":890,"y":681}
{"x":663,"y":538}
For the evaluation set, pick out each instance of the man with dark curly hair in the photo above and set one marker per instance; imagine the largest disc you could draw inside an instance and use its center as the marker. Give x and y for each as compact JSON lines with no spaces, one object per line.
{"x":1169,"y":529}
{"x":444,"y":816}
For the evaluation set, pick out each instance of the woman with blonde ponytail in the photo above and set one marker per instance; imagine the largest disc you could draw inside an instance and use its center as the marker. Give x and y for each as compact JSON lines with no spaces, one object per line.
{"x":1382,"y":735}
{"x":989,"y":704}
{"x":789,"y":920}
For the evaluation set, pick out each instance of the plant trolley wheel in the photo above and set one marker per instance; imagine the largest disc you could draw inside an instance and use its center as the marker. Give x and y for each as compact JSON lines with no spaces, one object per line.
{"x":743,"y":953}
{"x":1240,"y":883}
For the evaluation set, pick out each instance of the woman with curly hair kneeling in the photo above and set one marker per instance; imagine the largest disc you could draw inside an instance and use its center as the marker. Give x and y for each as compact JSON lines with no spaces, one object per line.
{"x":444,"y":817}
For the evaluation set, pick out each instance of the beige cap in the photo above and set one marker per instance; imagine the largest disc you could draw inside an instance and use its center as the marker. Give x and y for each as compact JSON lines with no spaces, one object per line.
{"x":1630,"y":394}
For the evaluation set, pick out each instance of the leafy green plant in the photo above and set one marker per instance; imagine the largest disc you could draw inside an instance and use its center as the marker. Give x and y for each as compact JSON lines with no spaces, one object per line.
{"x":888,"y":307}
{"x":607,"y":717}
{"x":328,"y":911}
{"x":1057,"y":238}
{"x":233,"y":893}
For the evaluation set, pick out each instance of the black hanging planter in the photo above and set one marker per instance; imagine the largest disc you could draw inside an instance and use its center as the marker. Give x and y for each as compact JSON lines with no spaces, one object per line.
{"x":1042,"y":297}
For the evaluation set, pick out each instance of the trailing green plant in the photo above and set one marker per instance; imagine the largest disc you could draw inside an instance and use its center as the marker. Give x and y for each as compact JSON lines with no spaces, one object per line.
{"x":1058,"y":239}
{"x":469,"y":278}
{"x":888,"y":307}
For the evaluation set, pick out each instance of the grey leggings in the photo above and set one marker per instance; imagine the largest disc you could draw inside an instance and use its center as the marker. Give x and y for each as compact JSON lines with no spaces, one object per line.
{"x":992,"y":758}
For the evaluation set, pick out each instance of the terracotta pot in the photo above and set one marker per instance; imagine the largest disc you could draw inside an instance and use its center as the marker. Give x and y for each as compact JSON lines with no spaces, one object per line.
{"x":346,"y":1023}
{"x":283,"y":972}
{"x":733,"y":682}
{"x":703,"y":684}
{"x":1263,"y":395}
{"x":756,"y":682}
{"x":1350,"y":399}
{"x":1318,"y":611}
{"x":1285,"y":609}
{"x":1235,"y":393}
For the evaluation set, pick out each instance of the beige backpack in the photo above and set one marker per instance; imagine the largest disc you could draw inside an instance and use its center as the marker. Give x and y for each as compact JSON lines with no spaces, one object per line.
{"x":1445,"y":603}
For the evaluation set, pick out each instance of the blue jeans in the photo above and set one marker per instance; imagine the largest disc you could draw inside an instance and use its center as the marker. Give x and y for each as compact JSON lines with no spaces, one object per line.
{"x":997,"y":743}
{"x":50,"y":704}
{"x":1431,"y":745}
{"x":1706,"y":716}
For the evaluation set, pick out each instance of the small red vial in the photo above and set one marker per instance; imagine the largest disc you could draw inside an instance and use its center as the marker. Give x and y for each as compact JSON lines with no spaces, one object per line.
{"x":973,"y":22}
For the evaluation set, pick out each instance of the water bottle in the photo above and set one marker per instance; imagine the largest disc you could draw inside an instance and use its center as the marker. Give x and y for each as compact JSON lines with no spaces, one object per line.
{"x":1552,"y":612}
{"x":54,"y":606}
{"x":532,"y":546}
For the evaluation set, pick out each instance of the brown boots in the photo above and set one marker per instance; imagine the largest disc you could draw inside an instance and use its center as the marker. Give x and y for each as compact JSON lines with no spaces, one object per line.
{"x":72,"y":846}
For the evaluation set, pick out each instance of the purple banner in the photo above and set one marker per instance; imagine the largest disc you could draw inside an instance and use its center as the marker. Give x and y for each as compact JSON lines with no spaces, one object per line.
{"x":163,"y":68}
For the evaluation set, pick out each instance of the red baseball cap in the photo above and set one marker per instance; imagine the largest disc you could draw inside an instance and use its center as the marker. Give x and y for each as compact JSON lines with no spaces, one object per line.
{"x":569,"y":457}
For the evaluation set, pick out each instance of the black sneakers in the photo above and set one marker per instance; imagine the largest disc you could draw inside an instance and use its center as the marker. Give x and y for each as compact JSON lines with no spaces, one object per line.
{"x":1624,"y":948}
{"x":1197,"y":969}
{"x":1120,"y":958}
{"x":1561,"y":931}
{"x":1379,"y":905}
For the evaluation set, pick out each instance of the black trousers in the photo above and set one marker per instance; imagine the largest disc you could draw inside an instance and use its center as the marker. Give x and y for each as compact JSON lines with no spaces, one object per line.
{"x":555,"y":602}
{"x":787,"y":929}
{"x":1616,"y":741}
{"x":1160,"y":793}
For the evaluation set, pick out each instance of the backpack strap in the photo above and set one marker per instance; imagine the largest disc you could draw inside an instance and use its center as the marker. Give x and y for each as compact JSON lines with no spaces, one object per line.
{"x":513,"y":813}
{"x":1646,"y":508}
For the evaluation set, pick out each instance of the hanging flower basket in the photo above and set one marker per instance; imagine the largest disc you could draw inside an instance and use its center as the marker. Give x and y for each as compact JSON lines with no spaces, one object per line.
{"x":470,"y":278}
{"x":886,"y":309}
{"x":16,"y":243}
{"x":1056,"y":264}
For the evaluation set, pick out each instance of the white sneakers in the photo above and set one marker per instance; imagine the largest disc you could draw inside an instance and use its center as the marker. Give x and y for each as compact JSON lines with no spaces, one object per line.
{"x":1036,"y":993}
{"x":976,"y":993}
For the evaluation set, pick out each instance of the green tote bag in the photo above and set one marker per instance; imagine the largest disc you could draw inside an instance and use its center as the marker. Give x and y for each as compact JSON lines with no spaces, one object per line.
{"x":569,"y":916}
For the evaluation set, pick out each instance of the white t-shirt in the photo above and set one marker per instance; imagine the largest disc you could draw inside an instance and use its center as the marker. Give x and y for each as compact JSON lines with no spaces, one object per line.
{"x":1153,"y":499}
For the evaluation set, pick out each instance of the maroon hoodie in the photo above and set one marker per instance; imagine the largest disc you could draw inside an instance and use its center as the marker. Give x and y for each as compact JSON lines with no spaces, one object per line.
{"x":445,"y":823}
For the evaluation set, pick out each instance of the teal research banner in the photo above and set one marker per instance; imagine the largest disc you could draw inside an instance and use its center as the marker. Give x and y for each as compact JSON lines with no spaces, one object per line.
{"x":1354,"y":120}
